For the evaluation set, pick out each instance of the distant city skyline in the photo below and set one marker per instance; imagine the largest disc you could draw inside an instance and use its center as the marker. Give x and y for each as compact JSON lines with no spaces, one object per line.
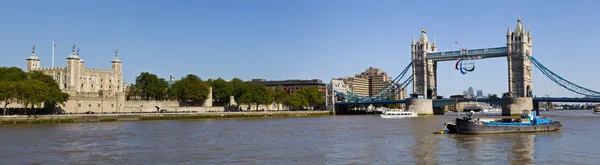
{"x":279,"y":40}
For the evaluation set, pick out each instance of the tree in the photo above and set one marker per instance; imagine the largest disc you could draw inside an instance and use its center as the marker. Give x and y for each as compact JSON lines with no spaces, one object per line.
{"x":7,"y":93}
{"x":295,"y":101}
{"x":191,"y":89}
{"x":151,"y":87}
{"x":32,"y":88}
{"x":221,"y":91}
{"x":239,"y":87}
{"x":256,"y":94}
{"x":12,"y":74}
{"x":312,"y":95}
{"x":279,"y":95}
{"x":494,"y":96}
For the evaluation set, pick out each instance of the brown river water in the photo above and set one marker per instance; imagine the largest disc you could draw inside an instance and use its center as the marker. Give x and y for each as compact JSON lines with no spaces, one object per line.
{"x":304,"y":140}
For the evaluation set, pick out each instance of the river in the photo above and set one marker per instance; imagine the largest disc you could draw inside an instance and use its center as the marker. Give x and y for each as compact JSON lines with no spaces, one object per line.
{"x":303,"y":140}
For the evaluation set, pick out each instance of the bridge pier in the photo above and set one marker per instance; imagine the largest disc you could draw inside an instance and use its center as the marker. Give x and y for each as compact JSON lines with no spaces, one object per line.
{"x":515,"y":106}
{"x":420,"y":106}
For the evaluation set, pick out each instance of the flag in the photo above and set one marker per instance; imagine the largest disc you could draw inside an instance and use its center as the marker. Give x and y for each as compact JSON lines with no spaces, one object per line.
{"x":54,"y":44}
{"x":455,"y":42}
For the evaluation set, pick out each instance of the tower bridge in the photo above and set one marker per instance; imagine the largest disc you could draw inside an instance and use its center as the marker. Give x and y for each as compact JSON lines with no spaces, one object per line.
{"x":423,"y":100}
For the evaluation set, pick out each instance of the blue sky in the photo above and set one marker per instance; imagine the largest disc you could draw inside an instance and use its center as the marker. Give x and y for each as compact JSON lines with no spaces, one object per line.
{"x":301,"y":39}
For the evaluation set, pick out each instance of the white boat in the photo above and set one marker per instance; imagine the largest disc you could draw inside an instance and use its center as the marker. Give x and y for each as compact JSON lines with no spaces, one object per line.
{"x":397,"y":114}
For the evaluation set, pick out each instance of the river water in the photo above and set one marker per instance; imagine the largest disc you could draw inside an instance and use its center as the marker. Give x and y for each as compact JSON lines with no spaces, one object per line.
{"x":310,"y":140}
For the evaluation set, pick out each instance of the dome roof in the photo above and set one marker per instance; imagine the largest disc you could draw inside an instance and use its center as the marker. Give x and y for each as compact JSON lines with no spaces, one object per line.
{"x":73,"y":56}
{"x":116,"y":60}
{"x":33,"y":57}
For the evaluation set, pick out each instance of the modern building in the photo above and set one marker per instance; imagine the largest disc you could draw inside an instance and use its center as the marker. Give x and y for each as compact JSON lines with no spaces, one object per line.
{"x":480,"y":93}
{"x":357,"y":85}
{"x":291,"y":86}
{"x":471,"y":92}
{"x":371,"y":82}
{"x":100,"y":90}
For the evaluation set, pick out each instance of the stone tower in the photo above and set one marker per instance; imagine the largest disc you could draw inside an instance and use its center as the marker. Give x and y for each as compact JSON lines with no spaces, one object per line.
{"x":519,"y":66}
{"x":424,"y":71}
{"x":33,"y":62}
{"x":117,"y":71}
{"x":74,"y":68}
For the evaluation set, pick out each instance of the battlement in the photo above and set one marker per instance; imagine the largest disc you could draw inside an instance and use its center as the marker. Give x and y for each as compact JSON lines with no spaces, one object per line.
{"x":51,"y":69}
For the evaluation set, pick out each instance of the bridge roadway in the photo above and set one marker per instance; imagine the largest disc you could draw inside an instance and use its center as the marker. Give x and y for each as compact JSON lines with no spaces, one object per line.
{"x":496,"y":101}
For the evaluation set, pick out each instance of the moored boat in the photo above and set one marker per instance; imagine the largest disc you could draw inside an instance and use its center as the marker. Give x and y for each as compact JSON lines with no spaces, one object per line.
{"x":398,"y":114}
{"x":597,"y":110}
{"x":529,"y":122}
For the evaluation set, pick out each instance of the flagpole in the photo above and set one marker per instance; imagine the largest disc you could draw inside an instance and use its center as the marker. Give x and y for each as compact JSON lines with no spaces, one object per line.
{"x":52,"y":54}
{"x":454,"y":43}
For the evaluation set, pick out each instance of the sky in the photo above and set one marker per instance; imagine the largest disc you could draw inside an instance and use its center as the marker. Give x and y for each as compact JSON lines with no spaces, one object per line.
{"x":301,"y":39}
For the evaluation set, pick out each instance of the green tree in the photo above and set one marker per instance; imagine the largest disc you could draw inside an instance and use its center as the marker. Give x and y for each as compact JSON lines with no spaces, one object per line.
{"x":151,"y":87}
{"x":12,"y":74}
{"x":279,"y":95}
{"x":239,"y":87}
{"x":256,"y":94}
{"x":494,"y":96}
{"x":7,"y":93}
{"x":191,"y":89}
{"x":221,"y":91}
{"x":295,"y":101}
{"x":32,"y":88}
{"x":312,"y":95}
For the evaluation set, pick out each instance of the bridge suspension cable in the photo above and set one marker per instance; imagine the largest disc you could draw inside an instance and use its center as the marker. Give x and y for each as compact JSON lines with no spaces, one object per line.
{"x":562,"y":81}
{"x":384,"y":92}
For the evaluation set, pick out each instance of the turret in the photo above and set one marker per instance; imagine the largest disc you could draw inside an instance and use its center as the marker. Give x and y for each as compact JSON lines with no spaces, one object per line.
{"x":412,"y":44}
{"x":434,"y":45}
{"x":117,"y":72}
{"x":74,"y":70}
{"x":33,"y":62}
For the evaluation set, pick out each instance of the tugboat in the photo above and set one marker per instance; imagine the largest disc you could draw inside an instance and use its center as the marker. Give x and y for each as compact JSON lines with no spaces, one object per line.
{"x":529,"y":122}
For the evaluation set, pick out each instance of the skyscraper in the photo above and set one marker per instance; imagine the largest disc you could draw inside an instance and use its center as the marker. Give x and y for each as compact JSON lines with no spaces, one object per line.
{"x":471,"y":92}
{"x":479,"y":93}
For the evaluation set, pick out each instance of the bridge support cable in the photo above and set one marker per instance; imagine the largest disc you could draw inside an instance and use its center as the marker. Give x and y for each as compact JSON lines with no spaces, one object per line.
{"x":397,"y":87}
{"x":395,"y":81}
{"x":562,"y":81}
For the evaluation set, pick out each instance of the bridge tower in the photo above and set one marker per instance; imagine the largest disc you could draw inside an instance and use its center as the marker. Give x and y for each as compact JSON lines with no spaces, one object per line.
{"x":424,"y":80}
{"x":424,"y":70}
{"x":518,"y":43}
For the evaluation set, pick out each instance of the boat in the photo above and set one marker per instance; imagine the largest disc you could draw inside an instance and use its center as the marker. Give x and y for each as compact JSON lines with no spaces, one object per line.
{"x":474,"y":108}
{"x":597,"y":110}
{"x":529,"y":122}
{"x":397,"y":114}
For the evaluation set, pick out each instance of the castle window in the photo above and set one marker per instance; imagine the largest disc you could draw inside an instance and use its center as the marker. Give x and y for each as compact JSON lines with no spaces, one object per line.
{"x":92,"y":85}
{"x":112,"y":105}
{"x":81,"y":85}
{"x":98,"y":105}
{"x":79,"y":105}
{"x":90,"y":105}
{"x":110,"y":86}
{"x":100,"y":86}
{"x":101,"y":80}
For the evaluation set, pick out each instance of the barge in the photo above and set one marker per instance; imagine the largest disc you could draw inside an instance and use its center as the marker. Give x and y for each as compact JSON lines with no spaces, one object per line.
{"x":528,"y":122}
